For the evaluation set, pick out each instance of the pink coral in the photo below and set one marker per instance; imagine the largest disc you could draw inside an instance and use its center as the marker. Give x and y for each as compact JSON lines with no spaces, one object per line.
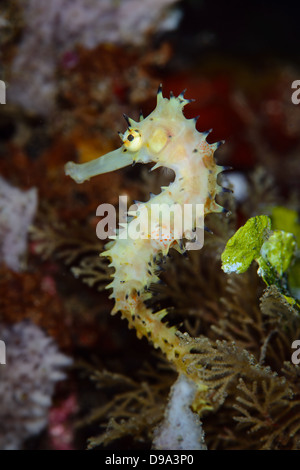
{"x":17,"y":210}
{"x":33,"y":366}
{"x":54,"y":28}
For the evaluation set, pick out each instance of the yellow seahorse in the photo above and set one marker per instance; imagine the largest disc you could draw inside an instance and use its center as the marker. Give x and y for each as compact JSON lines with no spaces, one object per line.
{"x":170,"y":140}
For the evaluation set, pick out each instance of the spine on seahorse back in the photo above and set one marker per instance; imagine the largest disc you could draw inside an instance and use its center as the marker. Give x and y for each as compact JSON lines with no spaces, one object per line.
{"x":170,"y":140}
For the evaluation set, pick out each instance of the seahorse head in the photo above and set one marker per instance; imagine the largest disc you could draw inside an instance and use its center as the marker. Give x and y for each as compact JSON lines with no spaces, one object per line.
{"x":143,"y":141}
{"x":147,"y":139}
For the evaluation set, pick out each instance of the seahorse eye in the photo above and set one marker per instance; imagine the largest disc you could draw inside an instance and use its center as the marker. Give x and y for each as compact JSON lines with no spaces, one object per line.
{"x":132,"y":140}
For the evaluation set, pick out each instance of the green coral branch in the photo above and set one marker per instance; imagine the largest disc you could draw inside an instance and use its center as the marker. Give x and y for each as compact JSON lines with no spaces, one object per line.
{"x":245,"y":245}
{"x":287,"y":219}
{"x":275,"y":251}
{"x":276,"y":256}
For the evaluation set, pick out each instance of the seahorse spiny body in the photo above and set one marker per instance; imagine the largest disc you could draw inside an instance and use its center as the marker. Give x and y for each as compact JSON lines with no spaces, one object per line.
{"x":170,"y":140}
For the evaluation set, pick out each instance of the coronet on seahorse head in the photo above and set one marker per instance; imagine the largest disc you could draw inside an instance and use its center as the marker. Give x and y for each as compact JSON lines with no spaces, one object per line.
{"x":144,"y":141}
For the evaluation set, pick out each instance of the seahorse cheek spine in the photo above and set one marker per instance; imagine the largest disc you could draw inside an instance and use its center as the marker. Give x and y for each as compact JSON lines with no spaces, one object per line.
{"x":167,"y":138}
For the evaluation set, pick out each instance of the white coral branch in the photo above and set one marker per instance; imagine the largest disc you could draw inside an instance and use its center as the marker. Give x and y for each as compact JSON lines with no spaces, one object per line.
{"x":181,"y":429}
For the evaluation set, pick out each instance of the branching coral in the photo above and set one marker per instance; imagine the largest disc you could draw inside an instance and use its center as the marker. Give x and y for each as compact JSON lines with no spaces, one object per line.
{"x":251,"y":381}
{"x":136,"y":408}
{"x":79,"y":252}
